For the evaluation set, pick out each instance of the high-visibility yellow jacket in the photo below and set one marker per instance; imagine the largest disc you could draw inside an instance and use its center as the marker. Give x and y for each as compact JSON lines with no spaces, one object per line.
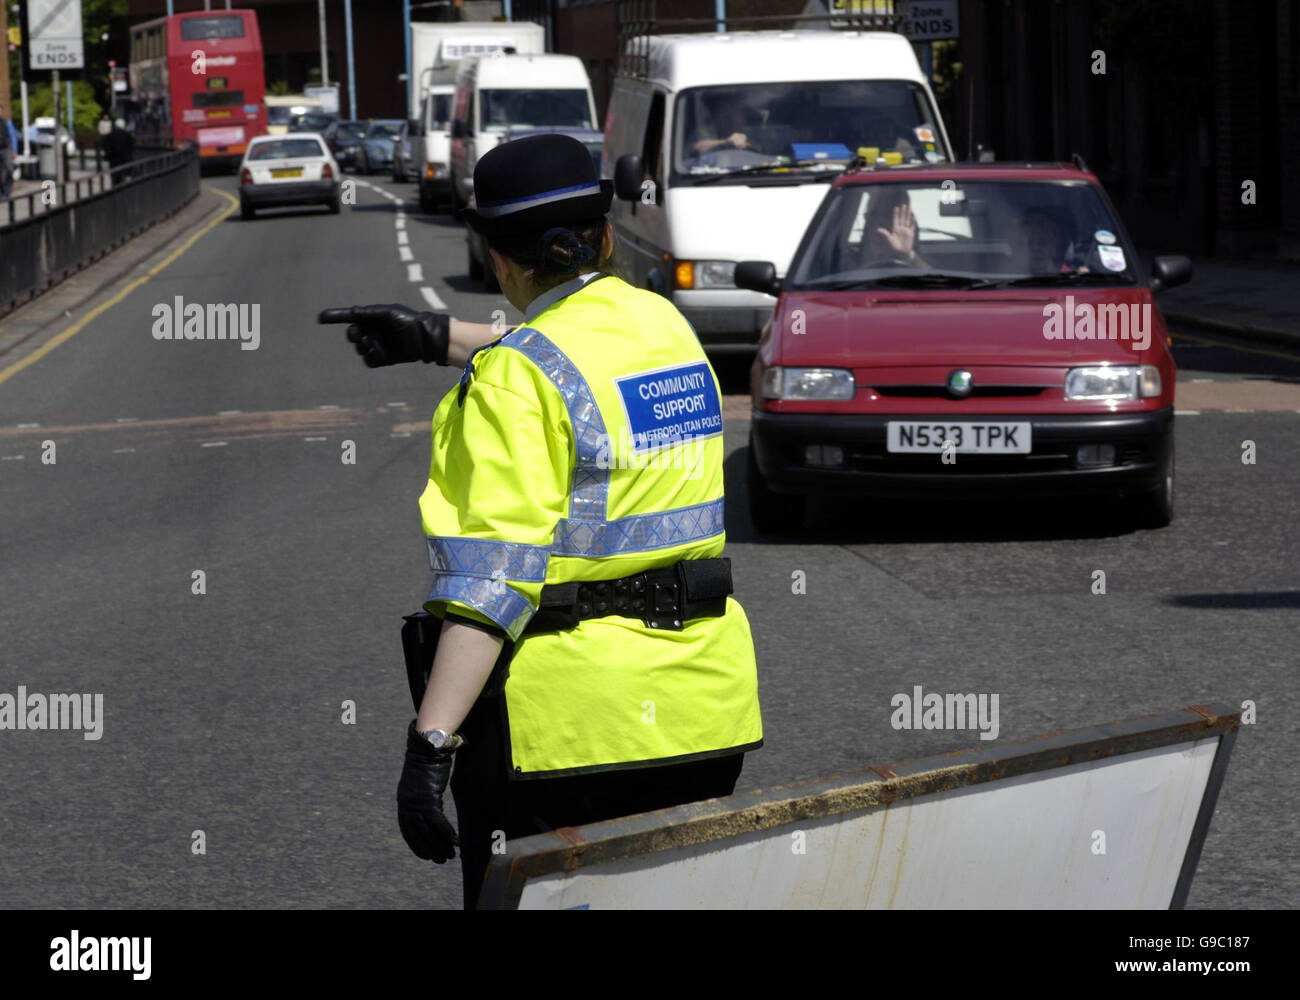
{"x":586,"y":445}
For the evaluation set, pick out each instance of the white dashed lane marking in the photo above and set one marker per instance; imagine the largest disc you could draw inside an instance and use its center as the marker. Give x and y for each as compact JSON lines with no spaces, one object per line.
{"x":214,"y":444}
{"x":405,"y":253}
{"x":431,"y":297}
{"x":414,"y":273}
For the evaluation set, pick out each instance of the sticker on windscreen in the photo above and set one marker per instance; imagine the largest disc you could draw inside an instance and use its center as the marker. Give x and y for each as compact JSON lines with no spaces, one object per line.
{"x":924,"y":134}
{"x":1104,"y":236}
{"x":670,"y":405}
{"x":1112,"y":258}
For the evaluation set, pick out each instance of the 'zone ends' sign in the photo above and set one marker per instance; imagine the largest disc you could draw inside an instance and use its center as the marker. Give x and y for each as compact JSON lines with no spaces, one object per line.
{"x":54,"y":35}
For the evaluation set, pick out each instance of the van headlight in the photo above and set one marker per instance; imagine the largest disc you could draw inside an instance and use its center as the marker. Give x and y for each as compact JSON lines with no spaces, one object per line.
{"x":705,"y":274}
{"x":1112,"y":383}
{"x":808,"y":383}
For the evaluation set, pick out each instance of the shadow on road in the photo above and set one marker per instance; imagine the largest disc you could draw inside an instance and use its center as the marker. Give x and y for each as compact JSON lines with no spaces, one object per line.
{"x":1265,"y":600}
{"x":849,"y":520}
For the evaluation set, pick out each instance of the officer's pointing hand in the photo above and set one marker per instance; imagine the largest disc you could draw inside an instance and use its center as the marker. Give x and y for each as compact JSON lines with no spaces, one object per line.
{"x":393,"y":334}
{"x":425,"y":828}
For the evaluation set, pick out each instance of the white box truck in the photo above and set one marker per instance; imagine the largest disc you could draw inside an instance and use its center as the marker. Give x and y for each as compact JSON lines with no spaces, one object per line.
{"x":436,"y":53}
{"x":721,"y":147}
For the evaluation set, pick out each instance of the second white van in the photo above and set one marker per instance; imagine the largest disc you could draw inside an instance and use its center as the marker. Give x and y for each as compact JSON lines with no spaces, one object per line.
{"x":497,"y":93}
{"x":721,"y":147}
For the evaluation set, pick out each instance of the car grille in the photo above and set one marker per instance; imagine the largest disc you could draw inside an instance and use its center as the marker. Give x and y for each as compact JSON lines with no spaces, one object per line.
{"x":977,"y":392}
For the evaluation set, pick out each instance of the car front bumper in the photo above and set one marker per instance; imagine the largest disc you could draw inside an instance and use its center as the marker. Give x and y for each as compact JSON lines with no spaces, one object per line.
{"x":288,"y":193}
{"x":1142,"y":442}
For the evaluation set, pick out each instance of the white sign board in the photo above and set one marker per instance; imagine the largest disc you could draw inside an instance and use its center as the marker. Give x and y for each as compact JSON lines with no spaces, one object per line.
{"x":54,"y":34}
{"x":327,"y":97}
{"x":1110,"y":817}
{"x":930,"y":20}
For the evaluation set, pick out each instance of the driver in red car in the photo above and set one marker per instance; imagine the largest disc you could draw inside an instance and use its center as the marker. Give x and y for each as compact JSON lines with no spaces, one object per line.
{"x":890,"y":229}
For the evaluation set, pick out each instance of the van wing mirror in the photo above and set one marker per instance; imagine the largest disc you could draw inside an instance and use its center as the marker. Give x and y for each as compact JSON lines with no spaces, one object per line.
{"x":757,"y":276}
{"x":412,"y":126}
{"x":460,"y":129}
{"x":1170,"y":270}
{"x":628,"y":175}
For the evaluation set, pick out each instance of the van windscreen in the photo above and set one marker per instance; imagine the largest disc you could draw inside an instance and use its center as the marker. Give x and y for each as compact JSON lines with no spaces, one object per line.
{"x":504,"y":109}
{"x":724,"y":129}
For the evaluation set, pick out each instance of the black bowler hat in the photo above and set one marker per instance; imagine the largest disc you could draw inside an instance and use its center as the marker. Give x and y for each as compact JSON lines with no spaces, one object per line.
{"x":535,"y":183}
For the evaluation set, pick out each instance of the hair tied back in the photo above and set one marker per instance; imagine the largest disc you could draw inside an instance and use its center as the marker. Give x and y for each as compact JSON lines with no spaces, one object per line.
{"x":559,"y":251}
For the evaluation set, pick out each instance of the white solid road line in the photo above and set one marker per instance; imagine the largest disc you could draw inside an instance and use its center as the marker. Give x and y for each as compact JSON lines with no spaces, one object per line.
{"x":431,"y":297}
{"x":414,"y":273}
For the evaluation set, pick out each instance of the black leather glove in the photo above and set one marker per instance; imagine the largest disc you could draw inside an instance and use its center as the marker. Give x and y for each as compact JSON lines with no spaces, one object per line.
{"x":393,"y":334}
{"x":425,"y":828}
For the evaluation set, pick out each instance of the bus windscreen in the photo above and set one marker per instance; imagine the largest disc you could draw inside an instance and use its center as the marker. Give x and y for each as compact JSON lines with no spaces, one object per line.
{"x":197,"y":29}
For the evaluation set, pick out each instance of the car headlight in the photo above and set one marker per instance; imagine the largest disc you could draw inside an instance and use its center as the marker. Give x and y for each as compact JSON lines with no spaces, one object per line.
{"x":1112,"y":383}
{"x":808,"y":383}
{"x":706,"y":274}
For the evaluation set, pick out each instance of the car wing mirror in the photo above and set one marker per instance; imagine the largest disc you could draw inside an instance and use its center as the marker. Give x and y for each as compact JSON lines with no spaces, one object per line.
{"x":628,"y":175}
{"x":1170,"y":270}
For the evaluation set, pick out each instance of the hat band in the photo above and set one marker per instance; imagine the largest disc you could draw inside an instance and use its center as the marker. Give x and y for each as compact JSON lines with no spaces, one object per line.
{"x":496,"y":209}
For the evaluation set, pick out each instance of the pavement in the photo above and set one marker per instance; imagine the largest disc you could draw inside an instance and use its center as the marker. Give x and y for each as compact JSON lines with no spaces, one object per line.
{"x":1259,"y":300}
{"x":129,"y":463}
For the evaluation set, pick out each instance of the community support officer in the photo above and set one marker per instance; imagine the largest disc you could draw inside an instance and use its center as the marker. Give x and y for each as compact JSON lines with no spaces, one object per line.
{"x":590,"y":662}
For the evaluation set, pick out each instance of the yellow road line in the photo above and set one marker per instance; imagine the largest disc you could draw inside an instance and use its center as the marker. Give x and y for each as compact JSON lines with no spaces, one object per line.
{"x":76,"y":327}
{"x":1234,"y":346}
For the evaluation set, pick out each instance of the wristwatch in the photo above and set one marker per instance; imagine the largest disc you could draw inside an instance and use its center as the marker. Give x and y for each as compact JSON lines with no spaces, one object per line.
{"x":440,"y":739}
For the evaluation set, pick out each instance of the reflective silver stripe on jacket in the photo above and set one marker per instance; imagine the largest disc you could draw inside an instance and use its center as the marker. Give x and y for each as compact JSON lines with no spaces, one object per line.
{"x":586,"y":532}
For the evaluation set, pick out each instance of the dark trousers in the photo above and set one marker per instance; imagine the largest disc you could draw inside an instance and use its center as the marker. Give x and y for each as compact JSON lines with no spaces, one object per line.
{"x":490,"y":805}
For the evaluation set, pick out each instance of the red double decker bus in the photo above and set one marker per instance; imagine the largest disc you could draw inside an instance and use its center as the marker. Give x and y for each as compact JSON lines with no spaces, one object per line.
{"x":200,"y":76}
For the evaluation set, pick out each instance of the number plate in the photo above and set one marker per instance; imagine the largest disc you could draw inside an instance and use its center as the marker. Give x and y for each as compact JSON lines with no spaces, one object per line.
{"x":929,"y":437}
{"x":287,"y":172}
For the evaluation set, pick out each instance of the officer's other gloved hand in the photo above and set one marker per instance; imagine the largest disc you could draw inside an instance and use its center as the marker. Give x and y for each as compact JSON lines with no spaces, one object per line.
{"x":425,"y":827}
{"x":394,"y":334}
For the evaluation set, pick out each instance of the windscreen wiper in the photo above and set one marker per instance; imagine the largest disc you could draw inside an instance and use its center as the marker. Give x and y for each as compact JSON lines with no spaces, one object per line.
{"x":766,"y":167}
{"x":922,"y":279}
{"x":1068,"y":278}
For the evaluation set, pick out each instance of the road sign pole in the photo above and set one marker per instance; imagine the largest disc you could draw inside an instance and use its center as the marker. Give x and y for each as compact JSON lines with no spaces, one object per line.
{"x":58,"y":143}
{"x":352,"y":76}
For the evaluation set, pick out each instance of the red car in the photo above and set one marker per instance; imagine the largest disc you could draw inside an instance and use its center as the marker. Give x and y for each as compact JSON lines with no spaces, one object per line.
{"x":973,"y":330}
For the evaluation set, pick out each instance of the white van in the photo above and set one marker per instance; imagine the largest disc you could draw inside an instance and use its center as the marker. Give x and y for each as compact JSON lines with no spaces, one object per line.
{"x":437,"y":50}
{"x":721,"y":147}
{"x":501,"y":92}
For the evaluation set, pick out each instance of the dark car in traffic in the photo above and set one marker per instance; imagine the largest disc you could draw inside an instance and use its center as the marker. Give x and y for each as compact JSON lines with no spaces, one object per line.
{"x":344,"y":139}
{"x":375,"y":151}
{"x":981,"y":330}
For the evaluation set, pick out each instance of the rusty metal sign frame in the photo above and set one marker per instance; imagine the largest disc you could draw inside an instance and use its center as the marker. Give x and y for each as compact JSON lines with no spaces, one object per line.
{"x":570,"y":848}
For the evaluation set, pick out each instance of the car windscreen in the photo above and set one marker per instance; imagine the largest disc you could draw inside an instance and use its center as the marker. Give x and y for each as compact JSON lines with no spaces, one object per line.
{"x":279,"y":115}
{"x":963,"y":233}
{"x":351,"y":130}
{"x":383,"y":130}
{"x":286,"y":149}
{"x":746,"y":126}
{"x":504,"y":109}
{"x":310,"y":122}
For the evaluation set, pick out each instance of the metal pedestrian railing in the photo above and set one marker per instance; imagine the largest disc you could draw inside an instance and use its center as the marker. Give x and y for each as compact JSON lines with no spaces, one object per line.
{"x":55,"y":230}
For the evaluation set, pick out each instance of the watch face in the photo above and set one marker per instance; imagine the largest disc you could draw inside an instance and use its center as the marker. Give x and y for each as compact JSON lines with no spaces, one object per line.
{"x":439,"y":739}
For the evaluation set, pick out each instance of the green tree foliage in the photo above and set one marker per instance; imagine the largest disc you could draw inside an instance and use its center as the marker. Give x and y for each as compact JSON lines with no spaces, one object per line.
{"x":86,"y":109}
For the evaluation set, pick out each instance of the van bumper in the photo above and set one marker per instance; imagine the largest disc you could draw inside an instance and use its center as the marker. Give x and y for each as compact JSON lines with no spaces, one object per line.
{"x":725,"y":319}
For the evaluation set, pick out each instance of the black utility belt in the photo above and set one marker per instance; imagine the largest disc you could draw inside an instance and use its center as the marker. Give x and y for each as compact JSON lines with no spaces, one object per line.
{"x":662,"y":598}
